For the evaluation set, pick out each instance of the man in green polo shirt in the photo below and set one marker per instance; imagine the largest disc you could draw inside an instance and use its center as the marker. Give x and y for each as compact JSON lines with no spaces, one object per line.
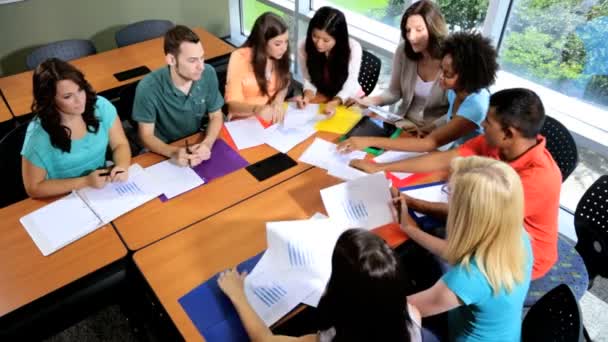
{"x":171,"y":102}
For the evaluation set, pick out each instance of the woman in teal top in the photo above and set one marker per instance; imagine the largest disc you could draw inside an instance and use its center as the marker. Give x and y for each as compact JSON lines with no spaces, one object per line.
{"x":488,"y":249}
{"x":66,"y":142}
{"x":468,"y":68}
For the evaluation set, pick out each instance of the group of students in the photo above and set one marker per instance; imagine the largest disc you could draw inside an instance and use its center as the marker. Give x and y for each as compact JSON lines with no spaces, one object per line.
{"x":501,"y":217}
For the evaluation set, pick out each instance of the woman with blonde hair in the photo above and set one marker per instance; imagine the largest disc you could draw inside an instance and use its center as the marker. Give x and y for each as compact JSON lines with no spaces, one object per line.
{"x":488,"y":250}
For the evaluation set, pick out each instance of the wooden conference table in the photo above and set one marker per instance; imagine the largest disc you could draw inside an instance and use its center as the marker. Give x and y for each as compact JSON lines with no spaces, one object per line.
{"x":179,"y":263}
{"x":26,"y":275}
{"x":156,"y":220}
{"x":99,"y":68}
{"x":5,"y":114}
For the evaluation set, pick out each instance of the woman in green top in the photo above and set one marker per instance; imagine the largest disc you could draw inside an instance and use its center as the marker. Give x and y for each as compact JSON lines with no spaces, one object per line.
{"x":65,"y":144}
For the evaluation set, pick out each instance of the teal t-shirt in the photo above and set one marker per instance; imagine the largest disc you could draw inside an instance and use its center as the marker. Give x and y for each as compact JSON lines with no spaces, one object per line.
{"x":86,"y":154}
{"x":176,"y":115}
{"x":485,"y":316}
{"x":474,"y":108}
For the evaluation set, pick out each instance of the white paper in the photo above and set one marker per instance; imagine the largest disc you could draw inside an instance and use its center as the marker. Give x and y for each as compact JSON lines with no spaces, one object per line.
{"x":295,"y":267}
{"x":118,"y":198}
{"x":284,"y":139}
{"x":299,"y":118}
{"x":323,"y":154}
{"x":173,"y":179}
{"x":435,"y":193}
{"x":394,"y":156}
{"x":345,"y":172}
{"x":246,"y":133}
{"x":60,"y":223}
{"x":360,"y":203}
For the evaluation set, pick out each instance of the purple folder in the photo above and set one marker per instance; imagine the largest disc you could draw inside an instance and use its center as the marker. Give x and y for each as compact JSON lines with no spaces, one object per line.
{"x":224,"y":160}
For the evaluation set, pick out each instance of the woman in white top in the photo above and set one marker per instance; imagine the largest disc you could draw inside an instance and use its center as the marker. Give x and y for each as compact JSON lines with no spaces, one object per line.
{"x":416,"y":69}
{"x":329,"y":59}
{"x":363,"y":300}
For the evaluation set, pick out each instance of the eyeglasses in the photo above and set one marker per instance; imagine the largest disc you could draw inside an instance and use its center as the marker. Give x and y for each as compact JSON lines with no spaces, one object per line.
{"x":445,"y":188}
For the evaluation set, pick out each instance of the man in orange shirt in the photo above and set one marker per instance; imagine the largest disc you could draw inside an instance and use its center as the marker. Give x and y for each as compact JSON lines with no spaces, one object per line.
{"x":511,"y":134}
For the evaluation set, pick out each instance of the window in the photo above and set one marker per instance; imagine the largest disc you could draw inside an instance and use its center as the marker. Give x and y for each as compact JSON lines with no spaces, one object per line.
{"x":558,"y":49}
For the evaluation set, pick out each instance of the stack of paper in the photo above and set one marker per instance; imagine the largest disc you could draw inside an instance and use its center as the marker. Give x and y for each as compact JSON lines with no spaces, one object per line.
{"x":284,"y":139}
{"x":294,"y":269}
{"x":78,"y":214}
{"x":394,"y":156}
{"x":323,"y":154}
{"x":361,"y":203}
{"x":300,"y":118}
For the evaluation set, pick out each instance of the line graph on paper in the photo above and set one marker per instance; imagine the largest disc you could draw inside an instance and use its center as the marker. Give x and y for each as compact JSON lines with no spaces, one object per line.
{"x":355,"y":210}
{"x":269,"y":295}
{"x":128,"y":188}
{"x":299,"y":256}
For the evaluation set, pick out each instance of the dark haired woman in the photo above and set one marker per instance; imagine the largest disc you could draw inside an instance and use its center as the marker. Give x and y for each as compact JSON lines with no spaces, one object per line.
{"x":416,"y":69}
{"x":363,"y":301}
{"x":65,"y":144}
{"x":468,"y":68}
{"x":258,"y":73}
{"x":329,"y":60}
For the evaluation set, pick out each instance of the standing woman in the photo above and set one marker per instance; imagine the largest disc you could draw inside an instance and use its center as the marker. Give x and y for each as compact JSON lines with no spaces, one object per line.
{"x":65,"y":144}
{"x":258,"y":73}
{"x":488,"y":249}
{"x":416,"y":69}
{"x":329,"y":59}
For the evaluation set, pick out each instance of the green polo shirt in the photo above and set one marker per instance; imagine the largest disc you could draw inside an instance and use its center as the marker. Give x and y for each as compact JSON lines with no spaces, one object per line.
{"x":176,"y":115}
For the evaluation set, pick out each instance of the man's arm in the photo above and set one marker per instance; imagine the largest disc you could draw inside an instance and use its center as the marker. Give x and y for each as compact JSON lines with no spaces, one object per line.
{"x":153,"y":143}
{"x":435,"y":161}
{"x":216,"y":120}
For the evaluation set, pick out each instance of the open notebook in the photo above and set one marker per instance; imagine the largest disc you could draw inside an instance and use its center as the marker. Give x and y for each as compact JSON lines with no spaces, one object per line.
{"x":68,"y":219}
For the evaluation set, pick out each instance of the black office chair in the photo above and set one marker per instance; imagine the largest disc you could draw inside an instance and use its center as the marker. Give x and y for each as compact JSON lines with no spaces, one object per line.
{"x":369,"y":72}
{"x":561,"y":145}
{"x":554,"y":317}
{"x":10,"y":166}
{"x":65,"y":50}
{"x":591,"y":224}
{"x":124,"y":105}
{"x":142,"y":30}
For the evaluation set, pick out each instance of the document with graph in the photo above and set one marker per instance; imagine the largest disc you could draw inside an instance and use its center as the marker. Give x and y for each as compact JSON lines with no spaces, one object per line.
{"x":81,"y":212}
{"x":359,"y":203}
{"x":294,"y":269}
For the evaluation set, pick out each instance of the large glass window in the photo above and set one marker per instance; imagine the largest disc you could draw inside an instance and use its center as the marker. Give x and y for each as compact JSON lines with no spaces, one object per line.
{"x":558,"y":48}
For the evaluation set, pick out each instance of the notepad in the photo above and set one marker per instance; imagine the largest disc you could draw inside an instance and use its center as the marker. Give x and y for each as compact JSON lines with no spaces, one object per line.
{"x":341,"y":122}
{"x":360,"y":203}
{"x":68,"y":219}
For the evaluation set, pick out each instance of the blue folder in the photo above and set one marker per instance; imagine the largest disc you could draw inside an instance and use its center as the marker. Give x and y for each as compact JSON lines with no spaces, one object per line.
{"x":212,"y":312}
{"x":426,"y":222}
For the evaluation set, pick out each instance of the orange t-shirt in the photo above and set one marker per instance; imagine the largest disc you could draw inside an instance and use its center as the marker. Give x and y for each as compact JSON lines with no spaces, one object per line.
{"x":541,"y":180}
{"x":241,"y":84}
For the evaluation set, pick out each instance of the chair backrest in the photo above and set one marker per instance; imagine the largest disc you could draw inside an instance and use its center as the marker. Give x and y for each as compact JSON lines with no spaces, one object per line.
{"x":124,"y":106}
{"x":142,"y":30}
{"x":369,"y":72}
{"x":65,"y":50}
{"x":561,"y":145}
{"x":591,"y":224}
{"x":554,"y":317}
{"x":10,"y":166}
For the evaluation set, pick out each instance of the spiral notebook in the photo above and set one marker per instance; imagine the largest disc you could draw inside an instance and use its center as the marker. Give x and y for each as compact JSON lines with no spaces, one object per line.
{"x":68,"y":219}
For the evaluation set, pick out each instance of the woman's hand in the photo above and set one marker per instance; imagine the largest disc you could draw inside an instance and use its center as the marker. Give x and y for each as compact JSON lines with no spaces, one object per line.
{"x":119,"y":174}
{"x":352,"y":144}
{"x":232,"y":283}
{"x":96,"y":180}
{"x":365,"y":165}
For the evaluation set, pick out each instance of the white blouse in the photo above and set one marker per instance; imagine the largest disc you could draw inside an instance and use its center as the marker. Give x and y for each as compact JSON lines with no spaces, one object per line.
{"x":351,"y":87}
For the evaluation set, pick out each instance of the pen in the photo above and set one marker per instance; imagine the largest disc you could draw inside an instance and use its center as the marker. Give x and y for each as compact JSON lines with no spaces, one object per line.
{"x":105,"y":174}
{"x":189,"y":152}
